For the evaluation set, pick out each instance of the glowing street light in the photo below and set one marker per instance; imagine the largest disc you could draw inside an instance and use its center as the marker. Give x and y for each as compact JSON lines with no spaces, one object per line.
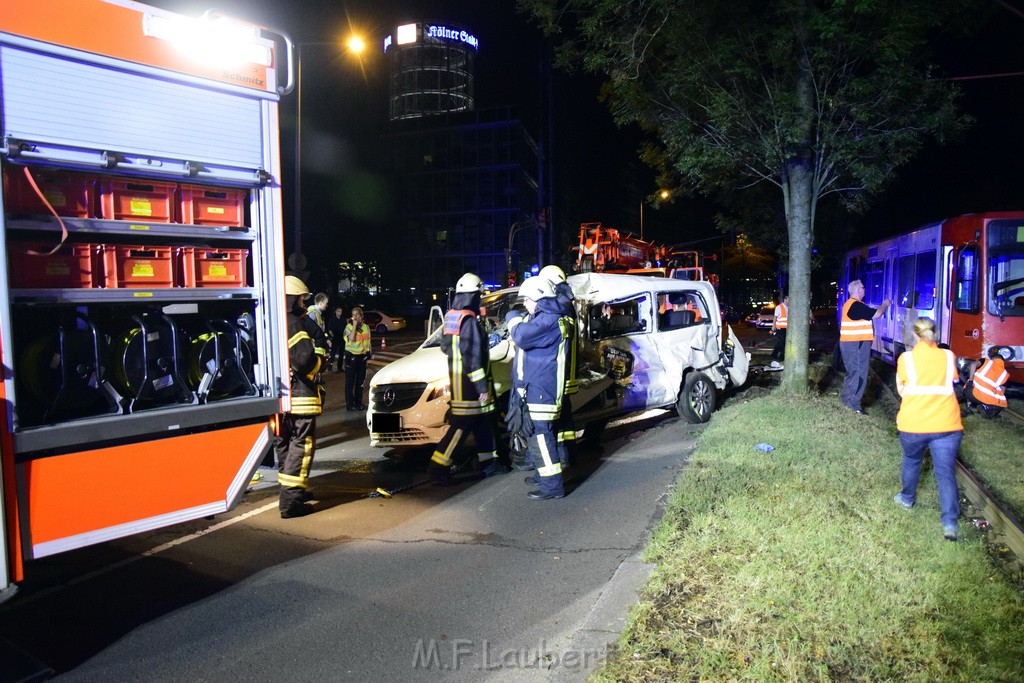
{"x":354,"y":44}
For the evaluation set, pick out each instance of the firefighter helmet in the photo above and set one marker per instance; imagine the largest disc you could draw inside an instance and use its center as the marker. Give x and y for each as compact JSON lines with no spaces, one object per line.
{"x":536,"y":288}
{"x":293,"y":286}
{"x":552,"y":274}
{"x":469,"y":283}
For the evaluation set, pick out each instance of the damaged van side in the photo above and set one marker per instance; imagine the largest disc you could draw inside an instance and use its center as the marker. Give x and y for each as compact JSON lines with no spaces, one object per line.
{"x":644,"y":343}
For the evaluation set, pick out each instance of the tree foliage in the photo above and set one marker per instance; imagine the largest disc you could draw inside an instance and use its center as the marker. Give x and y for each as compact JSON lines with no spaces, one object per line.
{"x":811,"y":97}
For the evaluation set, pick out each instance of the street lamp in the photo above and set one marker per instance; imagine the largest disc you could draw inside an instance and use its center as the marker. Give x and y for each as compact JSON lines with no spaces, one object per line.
{"x":354,"y":44}
{"x":516,"y":227}
{"x":662,"y":195}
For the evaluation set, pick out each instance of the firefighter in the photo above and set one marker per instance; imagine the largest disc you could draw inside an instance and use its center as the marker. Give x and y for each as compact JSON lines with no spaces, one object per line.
{"x":987,"y":392}
{"x":565,"y":427}
{"x":295,"y":443}
{"x":929,"y":417}
{"x":472,"y":388}
{"x":856,"y":333}
{"x":540,"y":352}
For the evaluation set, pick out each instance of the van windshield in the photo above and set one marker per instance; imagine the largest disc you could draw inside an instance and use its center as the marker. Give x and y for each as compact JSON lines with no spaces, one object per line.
{"x":495,"y":305}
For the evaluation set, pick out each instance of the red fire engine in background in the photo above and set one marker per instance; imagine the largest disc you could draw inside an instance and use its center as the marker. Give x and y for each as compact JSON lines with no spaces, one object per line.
{"x":610,"y":250}
{"x":142,"y":321}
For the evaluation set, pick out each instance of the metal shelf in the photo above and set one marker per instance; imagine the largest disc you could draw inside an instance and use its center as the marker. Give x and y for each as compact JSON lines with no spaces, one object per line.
{"x":170,"y":421}
{"x":101,"y":296}
{"x":97,"y":226}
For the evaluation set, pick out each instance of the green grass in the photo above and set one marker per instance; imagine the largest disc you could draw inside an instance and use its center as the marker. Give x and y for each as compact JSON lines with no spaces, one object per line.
{"x":797,"y":565}
{"x":994,"y":450}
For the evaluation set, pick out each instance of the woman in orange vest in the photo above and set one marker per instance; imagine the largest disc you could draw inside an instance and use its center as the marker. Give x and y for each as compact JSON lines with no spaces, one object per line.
{"x":779,"y":325}
{"x":987,"y":390}
{"x":929,"y":417}
{"x":855,"y":336}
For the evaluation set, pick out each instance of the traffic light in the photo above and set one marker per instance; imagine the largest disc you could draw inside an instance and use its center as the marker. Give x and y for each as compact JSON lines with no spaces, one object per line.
{"x":512,"y":278}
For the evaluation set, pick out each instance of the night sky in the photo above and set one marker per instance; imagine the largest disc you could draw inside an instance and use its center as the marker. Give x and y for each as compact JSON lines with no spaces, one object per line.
{"x":598,"y":176}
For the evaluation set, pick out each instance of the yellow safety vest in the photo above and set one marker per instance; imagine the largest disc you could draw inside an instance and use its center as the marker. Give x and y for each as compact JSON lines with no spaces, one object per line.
{"x":851,"y":330}
{"x":924,"y":378}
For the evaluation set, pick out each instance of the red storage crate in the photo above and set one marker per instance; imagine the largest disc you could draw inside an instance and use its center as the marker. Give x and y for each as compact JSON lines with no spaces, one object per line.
{"x":151,"y":201}
{"x":74,"y":266}
{"x":70,"y":194}
{"x":138,"y":267}
{"x":204,"y":205}
{"x":203,"y":267}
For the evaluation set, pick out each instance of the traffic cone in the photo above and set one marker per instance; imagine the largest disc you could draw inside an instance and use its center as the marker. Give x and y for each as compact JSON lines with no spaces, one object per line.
{"x":383,"y":343}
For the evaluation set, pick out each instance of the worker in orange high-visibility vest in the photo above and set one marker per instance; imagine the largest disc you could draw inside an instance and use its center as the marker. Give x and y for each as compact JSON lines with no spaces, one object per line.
{"x":856,"y":333}
{"x":987,"y":391}
{"x":779,"y":324}
{"x":929,"y":418}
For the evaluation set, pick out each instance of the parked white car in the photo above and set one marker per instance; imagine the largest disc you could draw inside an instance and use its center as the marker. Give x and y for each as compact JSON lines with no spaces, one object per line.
{"x":382,"y":322}
{"x":644,"y":343}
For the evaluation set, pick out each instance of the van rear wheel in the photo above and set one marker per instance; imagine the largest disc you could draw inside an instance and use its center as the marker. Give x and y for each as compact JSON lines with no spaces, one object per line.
{"x":697,"y":399}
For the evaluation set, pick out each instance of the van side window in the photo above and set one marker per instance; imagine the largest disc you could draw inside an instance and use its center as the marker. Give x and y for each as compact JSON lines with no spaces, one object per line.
{"x":677,"y":310}
{"x":616,"y":319}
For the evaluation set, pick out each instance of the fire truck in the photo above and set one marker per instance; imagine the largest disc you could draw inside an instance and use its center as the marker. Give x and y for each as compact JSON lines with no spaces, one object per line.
{"x":610,"y":250}
{"x":142,"y":321}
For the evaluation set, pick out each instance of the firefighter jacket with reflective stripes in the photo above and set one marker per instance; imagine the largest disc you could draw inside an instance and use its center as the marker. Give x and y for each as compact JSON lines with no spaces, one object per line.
{"x":924,"y":378}
{"x":781,"y":317}
{"x":469,"y":363}
{"x":567,"y":309}
{"x":542,"y":349}
{"x":305,"y":364}
{"x":361,"y":345}
{"x":851,"y":330}
{"x":989,"y":381}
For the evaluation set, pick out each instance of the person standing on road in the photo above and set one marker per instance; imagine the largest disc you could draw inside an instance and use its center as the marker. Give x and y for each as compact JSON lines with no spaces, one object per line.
{"x":472,"y":388}
{"x":929,"y":417}
{"x":779,"y":324}
{"x":317,"y":309}
{"x":295,"y":443}
{"x":540,"y":351}
{"x":336,"y":332}
{"x":357,"y":353}
{"x":856,"y":334}
{"x":565,"y":426}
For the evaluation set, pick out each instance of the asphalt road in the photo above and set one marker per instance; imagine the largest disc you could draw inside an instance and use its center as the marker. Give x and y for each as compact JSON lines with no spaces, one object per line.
{"x":469,"y":583}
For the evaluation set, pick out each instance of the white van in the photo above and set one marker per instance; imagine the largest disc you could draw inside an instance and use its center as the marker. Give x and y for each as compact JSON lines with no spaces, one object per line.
{"x":644,"y":343}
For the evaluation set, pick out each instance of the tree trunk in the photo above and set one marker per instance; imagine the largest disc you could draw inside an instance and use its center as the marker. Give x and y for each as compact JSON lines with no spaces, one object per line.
{"x":800,"y":199}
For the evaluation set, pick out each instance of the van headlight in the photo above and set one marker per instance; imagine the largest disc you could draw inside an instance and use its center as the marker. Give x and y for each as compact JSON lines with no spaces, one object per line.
{"x":438,"y":389}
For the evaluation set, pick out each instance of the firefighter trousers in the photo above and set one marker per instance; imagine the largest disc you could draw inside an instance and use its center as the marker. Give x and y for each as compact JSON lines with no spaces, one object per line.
{"x":480,"y":426}
{"x":294,"y":447}
{"x":543,"y":454}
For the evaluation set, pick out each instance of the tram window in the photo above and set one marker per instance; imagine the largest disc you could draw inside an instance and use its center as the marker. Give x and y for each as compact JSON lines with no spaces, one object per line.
{"x":967,"y":285}
{"x":924,"y":280}
{"x":1006,"y":275}
{"x":873,"y":283}
{"x":906,"y":292}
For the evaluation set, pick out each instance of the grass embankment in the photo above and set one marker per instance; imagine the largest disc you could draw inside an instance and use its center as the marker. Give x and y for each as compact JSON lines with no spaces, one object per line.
{"x":797,"y":564}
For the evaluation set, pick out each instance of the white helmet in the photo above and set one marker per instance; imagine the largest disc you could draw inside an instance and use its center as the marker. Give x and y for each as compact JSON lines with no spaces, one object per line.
{"x":469,"y":283}
{"x":536,"y":288}
{"x":293,"y":286}
{"x":552,"y":274}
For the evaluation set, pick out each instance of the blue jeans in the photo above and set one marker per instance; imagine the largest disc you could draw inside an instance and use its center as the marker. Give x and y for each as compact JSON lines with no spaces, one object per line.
{"x":943,"y":447}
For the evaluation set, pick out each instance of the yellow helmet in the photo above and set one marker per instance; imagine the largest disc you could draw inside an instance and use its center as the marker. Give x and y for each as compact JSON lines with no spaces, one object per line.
{"x":552,"y":274}
{"x":293,"y":286}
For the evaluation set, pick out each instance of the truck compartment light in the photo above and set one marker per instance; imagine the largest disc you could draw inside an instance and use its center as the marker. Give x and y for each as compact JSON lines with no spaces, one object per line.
{"x":211,"y":39}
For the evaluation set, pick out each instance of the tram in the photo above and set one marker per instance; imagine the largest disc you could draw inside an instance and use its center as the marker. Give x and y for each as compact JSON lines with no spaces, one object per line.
{"x":965,"y":273}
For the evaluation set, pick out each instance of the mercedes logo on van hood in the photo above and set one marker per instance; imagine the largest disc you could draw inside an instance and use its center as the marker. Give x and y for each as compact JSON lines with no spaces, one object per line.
{"x":388,"y":397}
